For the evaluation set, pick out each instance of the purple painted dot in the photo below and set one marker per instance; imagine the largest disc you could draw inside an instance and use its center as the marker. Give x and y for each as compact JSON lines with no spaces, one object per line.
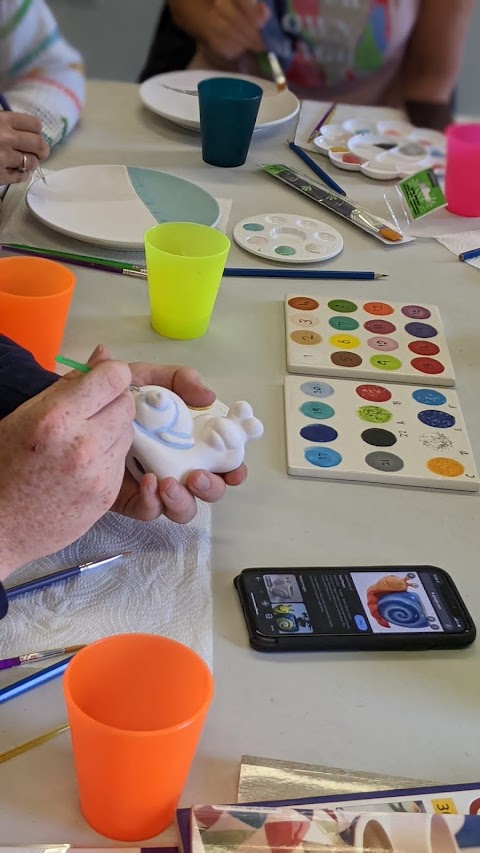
{"x":416,"y":312}
{"x":436,"y":418}
{"x":421,"y":330}
{"x":318,"y":432}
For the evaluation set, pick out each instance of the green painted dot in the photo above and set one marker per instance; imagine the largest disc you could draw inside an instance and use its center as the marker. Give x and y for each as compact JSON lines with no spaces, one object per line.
{"x":343,"y":324}
{"x":342,"y":306}
{"x":385,"y":362}
{"x":319,"y":411}
{"x":254,"y":226}
{"x":374,"y":414}
{"x":285,"y":250}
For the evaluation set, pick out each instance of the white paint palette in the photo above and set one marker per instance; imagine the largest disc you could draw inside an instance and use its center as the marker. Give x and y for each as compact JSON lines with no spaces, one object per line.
{"x":288,"y":238}
{"x":382,"y":150}
{"x":372,"y":339}
{"x":397,"y":434}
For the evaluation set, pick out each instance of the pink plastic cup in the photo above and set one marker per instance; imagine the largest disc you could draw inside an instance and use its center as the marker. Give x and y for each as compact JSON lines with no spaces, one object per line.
{"x":462,"y":181}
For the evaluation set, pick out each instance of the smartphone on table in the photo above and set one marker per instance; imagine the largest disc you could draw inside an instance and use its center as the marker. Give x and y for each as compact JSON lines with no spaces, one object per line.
{"x":356,"y":608}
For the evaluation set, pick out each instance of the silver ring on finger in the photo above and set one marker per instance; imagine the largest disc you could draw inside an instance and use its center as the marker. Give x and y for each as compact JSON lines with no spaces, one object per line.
{"x":23,"y":168}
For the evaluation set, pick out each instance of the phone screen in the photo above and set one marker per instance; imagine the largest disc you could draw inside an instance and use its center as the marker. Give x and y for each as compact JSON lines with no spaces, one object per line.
{"x":353,"y":602}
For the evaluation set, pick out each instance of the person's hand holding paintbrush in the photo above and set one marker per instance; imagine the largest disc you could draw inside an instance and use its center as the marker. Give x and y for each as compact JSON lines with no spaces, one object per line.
{"x":224,"y":29}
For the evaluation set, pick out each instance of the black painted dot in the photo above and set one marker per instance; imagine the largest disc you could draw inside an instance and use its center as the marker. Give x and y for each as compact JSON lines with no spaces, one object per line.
{"x":379,"y":437}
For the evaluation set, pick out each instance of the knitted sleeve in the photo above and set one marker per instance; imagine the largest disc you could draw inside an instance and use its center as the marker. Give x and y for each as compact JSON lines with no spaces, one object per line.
{"x":40,"y":72}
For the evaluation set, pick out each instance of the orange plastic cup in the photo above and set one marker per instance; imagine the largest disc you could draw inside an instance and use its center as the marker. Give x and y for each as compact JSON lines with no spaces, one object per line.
{"x":136,"y":705}
{"x":35,"y":296}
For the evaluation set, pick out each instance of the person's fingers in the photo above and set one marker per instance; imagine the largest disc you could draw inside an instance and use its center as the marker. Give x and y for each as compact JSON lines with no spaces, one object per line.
{"x":30,"y":143}
{"x":233,"y":28}
{"x":112,"y":422}
{"x":184,"y":381}
{"x":236,"y":477}
{"x":236,"y":27}
{"x":100,"y":353}
{"x":12,"y":159}
{"x":188,"y":385}
{"x":179,"y":504}
{"x":25,"y":122}
{"x":11,"y":176}
{"x":206,"y":486}
{"x":88,"y":393}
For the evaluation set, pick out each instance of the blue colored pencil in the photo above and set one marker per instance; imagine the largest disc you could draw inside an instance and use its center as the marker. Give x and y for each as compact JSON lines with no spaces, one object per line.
{"x":305,"y":274}
{"x":316,"y":169}
{"x":466,"y":256}
{"x":34,"y":680}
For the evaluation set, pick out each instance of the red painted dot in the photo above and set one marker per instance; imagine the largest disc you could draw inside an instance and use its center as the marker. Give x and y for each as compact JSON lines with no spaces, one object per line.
{"x":352,"y":158}
{"x":380,"y":309}
{"x":423,"y":348}
{"x":427,"y":365}
{"x":373,"y":393}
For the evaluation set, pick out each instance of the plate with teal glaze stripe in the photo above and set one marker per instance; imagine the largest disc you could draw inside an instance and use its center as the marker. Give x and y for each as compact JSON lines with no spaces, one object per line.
{"x":114,"y":205}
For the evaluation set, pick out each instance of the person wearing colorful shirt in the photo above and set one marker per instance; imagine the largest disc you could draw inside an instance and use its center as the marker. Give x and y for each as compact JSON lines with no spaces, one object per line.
{"x":402,"y":53}
{"x":42,"y":81}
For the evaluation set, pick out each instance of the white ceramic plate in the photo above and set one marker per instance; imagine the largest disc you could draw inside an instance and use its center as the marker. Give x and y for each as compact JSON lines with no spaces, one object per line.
{"x":181,"y":108}
{"x":288,"y":238}
{"x":115,"y":205}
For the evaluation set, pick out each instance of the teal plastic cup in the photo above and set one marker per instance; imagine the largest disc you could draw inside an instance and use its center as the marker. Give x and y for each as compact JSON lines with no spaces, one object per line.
{"x":228,"y":112}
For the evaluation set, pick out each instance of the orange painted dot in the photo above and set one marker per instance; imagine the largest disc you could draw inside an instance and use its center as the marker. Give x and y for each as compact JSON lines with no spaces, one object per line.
{"x":308,"y":339}
{"x":445,"y":467}
{"x":303,"y":303}
{"x":379,"y":309}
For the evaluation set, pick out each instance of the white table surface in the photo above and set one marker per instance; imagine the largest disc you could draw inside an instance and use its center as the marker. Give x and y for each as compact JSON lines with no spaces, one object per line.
{"x":414,"y":714}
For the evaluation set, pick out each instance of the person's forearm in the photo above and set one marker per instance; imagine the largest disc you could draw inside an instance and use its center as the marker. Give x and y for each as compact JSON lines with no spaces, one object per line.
{"x":189,"y":16}
{"x":435,"y":51}
{"x":21,"y":377}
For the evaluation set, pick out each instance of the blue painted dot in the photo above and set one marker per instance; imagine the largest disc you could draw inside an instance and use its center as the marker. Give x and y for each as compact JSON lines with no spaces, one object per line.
{"x":317,"y":389}
{"x":429,"y":397}
{"x":421,"y":330}
{"x":323,"y":457}
{"x":318,"y":432}
{"x":436,"y":418}
{"x":319,"y":411}
{"x":253,"y":226}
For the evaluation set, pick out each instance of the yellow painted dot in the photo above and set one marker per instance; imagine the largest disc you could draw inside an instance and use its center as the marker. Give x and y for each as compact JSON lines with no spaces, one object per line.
{"x":345,"y":341}
{"x":445,"y":467}
{"x":339,"y":149}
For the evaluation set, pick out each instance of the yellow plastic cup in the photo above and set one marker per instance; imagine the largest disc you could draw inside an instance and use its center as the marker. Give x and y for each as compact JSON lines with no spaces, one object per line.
{"x":185,"y":264}
{"x":136,"y":706}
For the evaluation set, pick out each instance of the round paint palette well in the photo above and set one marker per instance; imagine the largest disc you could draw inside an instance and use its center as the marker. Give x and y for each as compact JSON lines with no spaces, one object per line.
{"x":288,"y":238}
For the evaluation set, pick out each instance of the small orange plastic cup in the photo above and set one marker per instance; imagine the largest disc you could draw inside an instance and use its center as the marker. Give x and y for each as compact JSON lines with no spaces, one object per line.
{"x":136,"y":706}
{"x":35,"y":296}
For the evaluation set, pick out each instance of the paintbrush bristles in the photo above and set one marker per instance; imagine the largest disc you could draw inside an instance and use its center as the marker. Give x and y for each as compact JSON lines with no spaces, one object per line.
{"x":389,"y":234}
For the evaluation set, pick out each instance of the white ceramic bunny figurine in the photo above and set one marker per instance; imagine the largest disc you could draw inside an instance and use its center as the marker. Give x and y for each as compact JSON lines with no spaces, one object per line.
{"x":169,"y":442}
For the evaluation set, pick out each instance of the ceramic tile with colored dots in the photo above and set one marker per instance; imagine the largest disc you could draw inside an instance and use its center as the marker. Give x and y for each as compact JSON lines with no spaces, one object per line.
{"x":398,"y":434}
{"x":288,"y":238}
{"x":396,"y":341}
